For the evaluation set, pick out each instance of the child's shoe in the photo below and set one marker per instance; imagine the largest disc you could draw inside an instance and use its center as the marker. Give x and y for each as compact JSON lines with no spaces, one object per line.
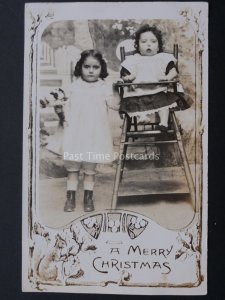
{"x":88,"y":201}
{"x":70,"y":201}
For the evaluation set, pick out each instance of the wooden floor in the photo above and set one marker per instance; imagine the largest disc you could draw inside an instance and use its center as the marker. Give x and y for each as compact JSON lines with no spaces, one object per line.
{"x":138,"y":192}
{"x":153,"y":181}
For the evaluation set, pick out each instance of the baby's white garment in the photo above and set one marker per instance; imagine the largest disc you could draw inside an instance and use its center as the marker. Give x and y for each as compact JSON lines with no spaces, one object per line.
{"x":147,"y":69}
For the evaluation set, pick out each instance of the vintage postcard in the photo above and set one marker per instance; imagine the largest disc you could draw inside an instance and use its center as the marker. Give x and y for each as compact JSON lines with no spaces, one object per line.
{"x":115,"y":148}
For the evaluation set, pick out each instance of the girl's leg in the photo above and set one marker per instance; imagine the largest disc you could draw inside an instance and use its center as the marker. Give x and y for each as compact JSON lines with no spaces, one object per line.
{"x":72,"y":180}
{"x":72,"y":183}
{"x":164,"y":116}
{"x":89,"y":181}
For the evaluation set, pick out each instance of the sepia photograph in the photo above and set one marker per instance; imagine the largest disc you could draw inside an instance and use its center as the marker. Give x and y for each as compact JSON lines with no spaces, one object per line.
{"x":115,"y":148}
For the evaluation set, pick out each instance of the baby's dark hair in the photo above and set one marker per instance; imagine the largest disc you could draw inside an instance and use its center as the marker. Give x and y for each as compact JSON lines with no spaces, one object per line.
{"x":146,"y":28}
{"x":97,"y":55}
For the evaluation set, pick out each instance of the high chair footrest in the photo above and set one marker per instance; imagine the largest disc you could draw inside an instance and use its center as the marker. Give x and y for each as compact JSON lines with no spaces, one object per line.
{"x":148,"y":133}
{"x":149,"y":143}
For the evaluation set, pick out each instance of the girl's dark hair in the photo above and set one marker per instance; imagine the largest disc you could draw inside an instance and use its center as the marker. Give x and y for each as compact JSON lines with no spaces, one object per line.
{"x":146,"y":28}
{"x":97,"y":55}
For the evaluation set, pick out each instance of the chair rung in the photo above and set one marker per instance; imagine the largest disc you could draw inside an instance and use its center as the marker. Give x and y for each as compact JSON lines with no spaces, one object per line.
{"x":149,"y":143}
{"x":147,"y":132}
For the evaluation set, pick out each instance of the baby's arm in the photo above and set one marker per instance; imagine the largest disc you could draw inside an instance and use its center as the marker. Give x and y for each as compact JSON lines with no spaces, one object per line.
{"x":129,"y":78}
{"x":172,"y":74}
{"x":126,"y":75}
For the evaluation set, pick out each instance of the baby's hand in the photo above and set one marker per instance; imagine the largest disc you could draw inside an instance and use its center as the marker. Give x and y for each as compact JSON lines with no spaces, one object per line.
{"x":163,"y":78}
{"x":119,"y":81}
{"x":128,"y":78}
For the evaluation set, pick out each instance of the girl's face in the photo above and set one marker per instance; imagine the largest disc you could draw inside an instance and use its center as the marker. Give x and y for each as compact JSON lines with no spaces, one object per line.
{"x":148,"y":44}
{"x":91,"y":69}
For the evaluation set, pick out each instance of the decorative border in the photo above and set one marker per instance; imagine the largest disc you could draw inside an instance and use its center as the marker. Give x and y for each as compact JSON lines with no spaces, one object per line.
{"x":52,"y":251}
{"x":54,"y":255}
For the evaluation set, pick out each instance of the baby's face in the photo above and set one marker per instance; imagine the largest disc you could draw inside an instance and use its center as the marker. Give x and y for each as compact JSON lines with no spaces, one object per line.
{"x":148,"y":44}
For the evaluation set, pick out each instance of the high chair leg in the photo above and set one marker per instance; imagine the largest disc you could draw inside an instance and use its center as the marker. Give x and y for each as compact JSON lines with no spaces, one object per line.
{"x":185,"y":164}
{"x":119,"y":164}
{"x":135,"y":124}
{"x":123,"y":160}
{"x":129,"y":124}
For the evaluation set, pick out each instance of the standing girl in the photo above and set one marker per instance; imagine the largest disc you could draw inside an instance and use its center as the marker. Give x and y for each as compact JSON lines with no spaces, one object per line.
{"x":87,"y":137}
{"x":150,"y":64}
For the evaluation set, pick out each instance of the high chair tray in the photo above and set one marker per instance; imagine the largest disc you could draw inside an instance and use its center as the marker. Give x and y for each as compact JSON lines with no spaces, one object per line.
{"x":121,"y":84}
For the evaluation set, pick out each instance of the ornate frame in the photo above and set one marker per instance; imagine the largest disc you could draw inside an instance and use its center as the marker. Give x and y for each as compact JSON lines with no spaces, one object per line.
{"x":54,"y":259}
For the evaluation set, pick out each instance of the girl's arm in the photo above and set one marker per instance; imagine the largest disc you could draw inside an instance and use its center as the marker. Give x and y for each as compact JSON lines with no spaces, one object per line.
{"x":113,"y":101}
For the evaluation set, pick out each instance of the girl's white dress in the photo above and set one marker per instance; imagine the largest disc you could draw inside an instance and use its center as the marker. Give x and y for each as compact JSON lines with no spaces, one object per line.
{"x":87,"y":135}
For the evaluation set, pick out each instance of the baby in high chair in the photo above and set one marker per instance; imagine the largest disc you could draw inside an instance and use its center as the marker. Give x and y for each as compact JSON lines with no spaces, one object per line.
{"x":150,"y":64}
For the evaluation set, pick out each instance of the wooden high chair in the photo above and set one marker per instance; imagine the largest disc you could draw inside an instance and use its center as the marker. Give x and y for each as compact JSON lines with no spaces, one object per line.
{"x":132,"y":132}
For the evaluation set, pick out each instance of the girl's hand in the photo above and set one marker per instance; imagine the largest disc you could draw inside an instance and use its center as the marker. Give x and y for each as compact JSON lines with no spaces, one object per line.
{"x":65,"y":124}
{"x":114,"y":107}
